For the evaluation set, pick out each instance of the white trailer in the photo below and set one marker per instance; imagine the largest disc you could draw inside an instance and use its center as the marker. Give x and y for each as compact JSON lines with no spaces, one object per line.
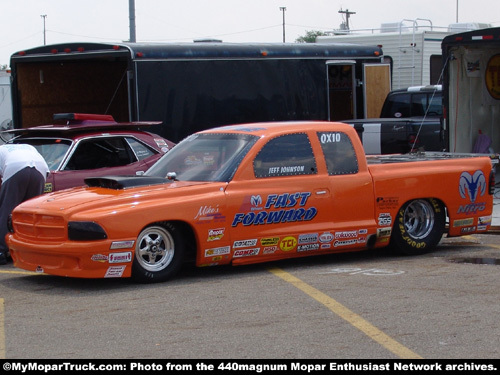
{"x":5,"y":101}
{"x":414,"y":51}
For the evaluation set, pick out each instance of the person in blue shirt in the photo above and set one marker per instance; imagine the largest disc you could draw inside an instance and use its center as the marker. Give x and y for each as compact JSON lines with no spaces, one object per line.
{"x":23,"y":172}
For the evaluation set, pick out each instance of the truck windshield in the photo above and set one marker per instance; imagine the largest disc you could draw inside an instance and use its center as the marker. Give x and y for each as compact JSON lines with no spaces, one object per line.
{"x":205,"y":157}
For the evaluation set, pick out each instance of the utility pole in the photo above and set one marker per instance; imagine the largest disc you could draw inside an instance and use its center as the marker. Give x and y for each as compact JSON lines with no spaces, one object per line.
{"x":44,"y":16}
{"x":283,"y":9}
{"x":347,"y":15}
{"x":131,"y":15}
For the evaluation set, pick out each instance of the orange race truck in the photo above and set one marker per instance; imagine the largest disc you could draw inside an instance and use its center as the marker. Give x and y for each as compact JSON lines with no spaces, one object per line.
{"x":253,"y":193}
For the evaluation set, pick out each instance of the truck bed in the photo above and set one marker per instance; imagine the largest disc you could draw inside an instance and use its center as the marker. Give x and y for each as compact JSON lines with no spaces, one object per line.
{"x":425,"y":156}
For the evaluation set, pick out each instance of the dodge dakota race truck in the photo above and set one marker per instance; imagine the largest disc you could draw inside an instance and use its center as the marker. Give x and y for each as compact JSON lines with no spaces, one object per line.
{"x":252,"y":193}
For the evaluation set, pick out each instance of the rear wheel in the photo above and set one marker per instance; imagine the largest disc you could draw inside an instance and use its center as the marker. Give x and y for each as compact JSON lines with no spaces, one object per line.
{"x":159,"y":253}
{"x":418,"y":227}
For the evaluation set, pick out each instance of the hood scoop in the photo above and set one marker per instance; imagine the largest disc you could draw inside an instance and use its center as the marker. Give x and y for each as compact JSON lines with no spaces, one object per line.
{"x":124,"y":182}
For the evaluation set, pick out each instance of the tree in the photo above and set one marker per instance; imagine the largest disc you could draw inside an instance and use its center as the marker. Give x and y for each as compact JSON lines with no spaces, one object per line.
{"x":310,"y":36}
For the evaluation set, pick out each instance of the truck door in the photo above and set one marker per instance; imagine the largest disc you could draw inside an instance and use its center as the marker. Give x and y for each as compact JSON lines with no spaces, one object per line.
{"x":351,"y":192}
{"x":341,"y":90}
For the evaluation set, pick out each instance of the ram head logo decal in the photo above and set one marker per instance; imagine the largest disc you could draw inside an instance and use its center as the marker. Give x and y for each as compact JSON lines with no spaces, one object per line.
{"x":472,"y":185}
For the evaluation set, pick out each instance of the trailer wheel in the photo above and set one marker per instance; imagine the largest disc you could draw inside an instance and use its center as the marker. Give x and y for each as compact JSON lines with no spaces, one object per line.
{"x":159,"y":253}
{"x":418,"y":227}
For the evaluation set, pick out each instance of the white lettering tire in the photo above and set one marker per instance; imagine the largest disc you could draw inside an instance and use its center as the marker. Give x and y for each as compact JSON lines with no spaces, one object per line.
{"x":419,"y":226}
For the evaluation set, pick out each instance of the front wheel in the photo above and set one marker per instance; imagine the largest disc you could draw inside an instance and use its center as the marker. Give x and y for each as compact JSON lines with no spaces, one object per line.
{"x":418,"y":227}
{"x":159,"y":252}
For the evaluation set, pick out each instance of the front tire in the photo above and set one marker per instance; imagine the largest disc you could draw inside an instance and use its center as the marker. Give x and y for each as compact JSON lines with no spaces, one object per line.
{"x":159,"y":253}
{"x":419,"y":226}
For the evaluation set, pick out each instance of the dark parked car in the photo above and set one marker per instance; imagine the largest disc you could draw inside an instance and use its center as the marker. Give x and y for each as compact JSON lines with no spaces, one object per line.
{"x":91,"y":146}
{"x":415,"y":101}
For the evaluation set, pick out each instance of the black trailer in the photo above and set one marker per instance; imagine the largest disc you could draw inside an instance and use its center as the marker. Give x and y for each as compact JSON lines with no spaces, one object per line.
{"x":194,"y":86}
{"x":471,"y":90}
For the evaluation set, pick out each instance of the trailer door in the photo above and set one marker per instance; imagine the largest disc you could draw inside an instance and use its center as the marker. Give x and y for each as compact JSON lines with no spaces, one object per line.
{"x":377,"y":84}
{"x":341,"y":90}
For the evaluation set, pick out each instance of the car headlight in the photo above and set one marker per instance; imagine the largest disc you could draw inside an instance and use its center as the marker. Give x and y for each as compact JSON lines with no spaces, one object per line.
{"x":85,"y":231}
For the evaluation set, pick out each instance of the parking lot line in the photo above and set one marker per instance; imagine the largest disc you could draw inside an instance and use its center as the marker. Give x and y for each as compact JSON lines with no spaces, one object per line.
{"x":348,"y":315}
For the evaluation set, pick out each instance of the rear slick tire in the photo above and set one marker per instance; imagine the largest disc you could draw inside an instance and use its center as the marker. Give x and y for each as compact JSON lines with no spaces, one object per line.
{"x":418,"y":227}
{"x":159,"y":253}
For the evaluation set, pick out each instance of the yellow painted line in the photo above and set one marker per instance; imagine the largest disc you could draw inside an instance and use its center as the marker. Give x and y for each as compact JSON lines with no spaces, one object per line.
{"x":349,"y":316}
{"x":2,"y":330}
{"x":23,"y":273}
{"x":492,"y":245}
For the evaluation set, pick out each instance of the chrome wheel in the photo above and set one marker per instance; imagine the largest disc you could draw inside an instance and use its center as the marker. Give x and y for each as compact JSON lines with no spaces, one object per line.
{"x":418,"y":219}
{"x":155,"y":249}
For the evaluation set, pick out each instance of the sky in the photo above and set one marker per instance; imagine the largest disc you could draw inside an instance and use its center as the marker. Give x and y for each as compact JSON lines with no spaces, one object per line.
{"x":31,"y":23}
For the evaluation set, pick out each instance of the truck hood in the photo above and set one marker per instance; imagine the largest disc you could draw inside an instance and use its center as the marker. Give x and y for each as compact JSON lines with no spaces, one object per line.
{"x":112,"y":191}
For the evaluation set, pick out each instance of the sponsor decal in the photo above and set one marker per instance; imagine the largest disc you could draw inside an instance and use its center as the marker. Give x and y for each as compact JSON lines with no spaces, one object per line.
{"x":48,"y":187}
{"x":269,"y":241}
{"x":384,"y":219}
{"x":468,"y":230}
{"x":208,"y":160}
{"x":384,"y":232}
{"x":269,"y":250}
{"x":209,"y":213}
{"x":121,"y":245}
{"x":326,"y":237}
{"x":492,"y":76}
{"x":484,"y":220}
{"x":215,"y":234}
{"x":387,"y":203}
{"x":282,"y":208}
{"x":114,"y":271}
{"x":345,"y":243}
{"x":288,"y":243}
{"x":472,"y":186}
{"x":346,"y":234}
{"x":244,"y":243}
{"x":99,"y":258}
{"x":308,"y":247}
{"x":246,"y":252}
{"x":217,"y":251}
{"x":363,"y":231}
{"x":120,"y":257}
{"x":326,"y":245}
{"x":308,"y":238}
{"x":251,"y":203}
{"x":463,"y":222}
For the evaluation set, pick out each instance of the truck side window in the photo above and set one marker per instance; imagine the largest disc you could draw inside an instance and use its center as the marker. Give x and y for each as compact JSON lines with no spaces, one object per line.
{"x":397,"y":106}
{"x":287,"y":155}
{"x":141,"y":151}
{"x":339,"y":153}
{"x":100,"y":153}
{"x":435,"y":104}
{"x":418,"y":104}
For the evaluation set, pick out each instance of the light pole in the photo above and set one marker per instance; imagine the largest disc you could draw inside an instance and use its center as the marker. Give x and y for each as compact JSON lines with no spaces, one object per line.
{"x":131,"y":12}
{"x":283,"y":9}
{"x":44,"y":16}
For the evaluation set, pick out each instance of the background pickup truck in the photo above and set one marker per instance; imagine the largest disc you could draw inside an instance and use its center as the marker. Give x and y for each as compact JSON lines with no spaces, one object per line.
{"x":410,"y":120}
{"x":253,"y":193}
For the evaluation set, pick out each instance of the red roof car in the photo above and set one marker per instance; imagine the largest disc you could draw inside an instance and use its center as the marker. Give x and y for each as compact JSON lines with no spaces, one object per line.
{"x":92,"y":146}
